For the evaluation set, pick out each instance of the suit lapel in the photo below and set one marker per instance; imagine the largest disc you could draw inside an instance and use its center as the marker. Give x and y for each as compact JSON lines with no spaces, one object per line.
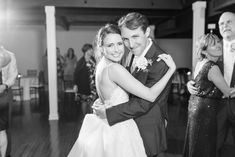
{"x":232,"y":84}
{"x":152,"y":54}
{"x":220,"y":62}
{"x":131,"y":61}
{"x":154,"y":51}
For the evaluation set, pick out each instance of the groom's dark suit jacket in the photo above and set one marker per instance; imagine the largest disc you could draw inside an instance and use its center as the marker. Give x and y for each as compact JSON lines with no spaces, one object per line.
{"x":148,"y":116}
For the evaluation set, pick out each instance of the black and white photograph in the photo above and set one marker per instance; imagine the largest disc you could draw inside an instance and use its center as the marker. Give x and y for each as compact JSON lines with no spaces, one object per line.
{"x":117,"y":78}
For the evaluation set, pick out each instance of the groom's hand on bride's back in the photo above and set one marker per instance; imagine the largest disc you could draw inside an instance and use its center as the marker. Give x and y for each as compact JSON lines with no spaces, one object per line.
{"x":99,"y":109}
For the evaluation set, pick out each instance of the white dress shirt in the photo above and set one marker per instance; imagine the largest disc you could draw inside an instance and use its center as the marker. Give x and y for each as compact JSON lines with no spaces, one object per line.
{"x":229,"y":59}
{"x":142,"y":55}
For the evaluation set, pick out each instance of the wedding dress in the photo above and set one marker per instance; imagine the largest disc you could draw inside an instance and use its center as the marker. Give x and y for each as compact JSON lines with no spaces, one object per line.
{"x":98,"y":139}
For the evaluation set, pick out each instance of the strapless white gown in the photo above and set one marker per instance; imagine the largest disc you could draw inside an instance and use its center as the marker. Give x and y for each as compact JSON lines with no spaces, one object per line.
{"x":98,"y":139}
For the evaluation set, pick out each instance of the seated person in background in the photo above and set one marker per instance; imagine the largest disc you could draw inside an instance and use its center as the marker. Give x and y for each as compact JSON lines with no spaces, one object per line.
{"x":8,"y":74}
{"x":84,"y":78}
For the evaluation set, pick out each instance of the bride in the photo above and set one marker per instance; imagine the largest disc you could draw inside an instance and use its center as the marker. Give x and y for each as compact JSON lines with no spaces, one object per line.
{"x":96,"y":137}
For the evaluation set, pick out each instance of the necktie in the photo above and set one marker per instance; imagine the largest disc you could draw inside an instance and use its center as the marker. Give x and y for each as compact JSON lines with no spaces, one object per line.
{"x":130,"y":63}
{"x":133,"y":64}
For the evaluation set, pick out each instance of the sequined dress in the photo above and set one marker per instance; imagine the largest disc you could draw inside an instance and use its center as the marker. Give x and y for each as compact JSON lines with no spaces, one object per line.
{"x":200,"y":139}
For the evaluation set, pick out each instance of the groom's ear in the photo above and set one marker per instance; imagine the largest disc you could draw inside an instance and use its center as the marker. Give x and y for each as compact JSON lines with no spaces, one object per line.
{"x":147,"y":32}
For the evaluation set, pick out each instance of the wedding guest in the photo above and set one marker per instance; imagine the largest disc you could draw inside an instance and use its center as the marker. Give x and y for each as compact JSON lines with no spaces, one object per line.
{"x":201,"y":133}
{"x":8,"y":74}
{"x":225,"y":120}
{"x":60,"y":65}
{"x":60,"y":74}
{"x":69,"y":65}
{"x":84,"y":78}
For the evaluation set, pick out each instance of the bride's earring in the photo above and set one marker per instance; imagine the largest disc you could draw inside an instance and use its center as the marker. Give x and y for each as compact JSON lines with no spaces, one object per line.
{"x":103,"y":51}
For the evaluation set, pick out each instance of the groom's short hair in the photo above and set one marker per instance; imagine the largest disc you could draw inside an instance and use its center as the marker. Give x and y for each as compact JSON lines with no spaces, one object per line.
{"x":133,"y":21}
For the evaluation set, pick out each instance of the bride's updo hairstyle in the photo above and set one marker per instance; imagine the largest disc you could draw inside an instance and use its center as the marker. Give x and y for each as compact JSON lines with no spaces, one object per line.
{"x":205,"y":41}
{"x":99,"y":40}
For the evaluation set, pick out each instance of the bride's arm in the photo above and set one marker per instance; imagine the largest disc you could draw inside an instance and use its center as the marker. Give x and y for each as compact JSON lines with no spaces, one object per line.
{"x":124,"y":79}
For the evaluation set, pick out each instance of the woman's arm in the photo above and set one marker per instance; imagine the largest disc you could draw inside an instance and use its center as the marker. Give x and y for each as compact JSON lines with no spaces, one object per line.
{"x":217,"y":78}
{"x":123,"y":78}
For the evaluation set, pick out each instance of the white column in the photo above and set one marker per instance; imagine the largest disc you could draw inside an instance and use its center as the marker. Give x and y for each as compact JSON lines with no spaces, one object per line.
{"x":51,"y":54}
{"x":199,"y":8}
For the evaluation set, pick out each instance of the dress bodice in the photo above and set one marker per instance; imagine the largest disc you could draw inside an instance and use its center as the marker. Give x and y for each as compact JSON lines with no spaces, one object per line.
{"x":206,"y":88}
{"x":115,"y":95}
{"x":118,"y":96}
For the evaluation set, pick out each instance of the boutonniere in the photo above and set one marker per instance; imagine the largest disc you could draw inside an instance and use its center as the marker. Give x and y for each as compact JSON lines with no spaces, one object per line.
{"x":142,"y":63}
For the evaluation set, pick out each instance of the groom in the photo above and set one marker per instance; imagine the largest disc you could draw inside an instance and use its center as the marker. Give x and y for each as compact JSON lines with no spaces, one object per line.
{"x":149,"y":117}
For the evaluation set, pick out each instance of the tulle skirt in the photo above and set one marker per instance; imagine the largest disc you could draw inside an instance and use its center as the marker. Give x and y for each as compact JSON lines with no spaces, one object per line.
{"x":98,"y":139}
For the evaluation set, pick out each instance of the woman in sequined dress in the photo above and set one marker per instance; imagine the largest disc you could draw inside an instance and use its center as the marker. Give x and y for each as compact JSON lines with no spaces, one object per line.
{"x":200,"y":139}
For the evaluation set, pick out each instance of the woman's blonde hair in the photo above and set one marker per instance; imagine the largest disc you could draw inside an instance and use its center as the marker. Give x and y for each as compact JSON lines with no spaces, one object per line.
{"x":205,"y":41}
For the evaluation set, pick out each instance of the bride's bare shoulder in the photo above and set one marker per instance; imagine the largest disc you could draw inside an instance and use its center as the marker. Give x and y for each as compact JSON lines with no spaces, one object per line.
{"x":116,"y":66}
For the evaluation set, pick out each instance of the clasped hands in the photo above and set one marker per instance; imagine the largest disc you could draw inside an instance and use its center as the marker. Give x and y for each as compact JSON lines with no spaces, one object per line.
{"x":193,"y":90}
{"x":232,"y":93}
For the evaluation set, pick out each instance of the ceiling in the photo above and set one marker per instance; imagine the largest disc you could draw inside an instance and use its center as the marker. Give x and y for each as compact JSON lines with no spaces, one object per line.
{"x":172,"y":18}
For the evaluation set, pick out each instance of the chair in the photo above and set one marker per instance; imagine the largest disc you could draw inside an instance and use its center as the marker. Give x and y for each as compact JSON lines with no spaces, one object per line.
{"x":180,"y":79}
{"x":37,"y":87}
{"x":68,"y":87}
{"x":32,"y":72}
{"x":185,"y":75}
{"x":17,"y":89}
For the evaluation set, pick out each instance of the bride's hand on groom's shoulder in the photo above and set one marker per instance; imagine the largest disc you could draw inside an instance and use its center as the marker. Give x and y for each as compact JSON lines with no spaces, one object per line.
{"x":98,"y":102}
{"x":168,"y":60}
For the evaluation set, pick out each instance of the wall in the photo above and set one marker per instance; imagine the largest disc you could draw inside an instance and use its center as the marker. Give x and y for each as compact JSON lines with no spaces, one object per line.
{"x":75,"y":38}
{"x":180,"y":49}
{"x":148,"y":4}
{"x":29,"y":44}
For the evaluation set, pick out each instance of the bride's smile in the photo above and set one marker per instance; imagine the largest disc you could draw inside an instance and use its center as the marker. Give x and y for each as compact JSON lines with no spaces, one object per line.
{"x":113,"y":47}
